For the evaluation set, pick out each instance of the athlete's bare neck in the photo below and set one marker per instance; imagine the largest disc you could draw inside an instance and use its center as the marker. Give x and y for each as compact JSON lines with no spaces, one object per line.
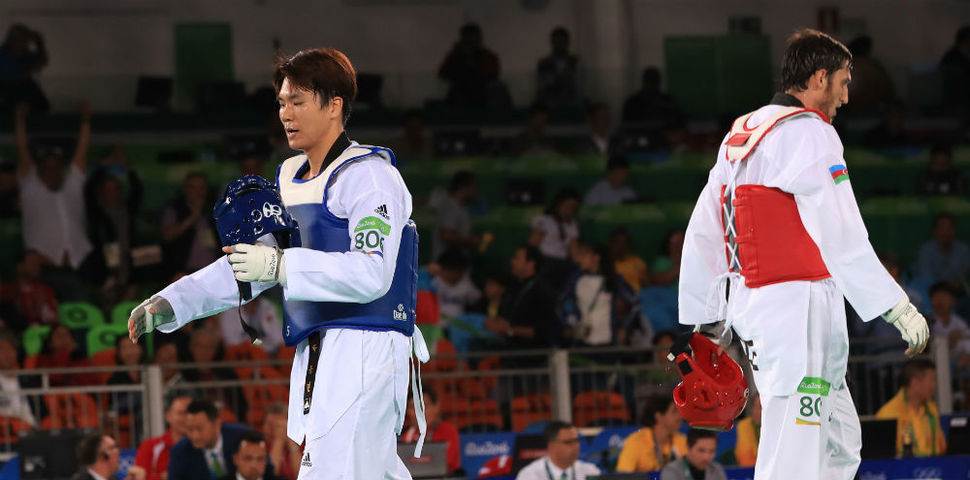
{"x":317,"y":154}
{"x":803,"y":96}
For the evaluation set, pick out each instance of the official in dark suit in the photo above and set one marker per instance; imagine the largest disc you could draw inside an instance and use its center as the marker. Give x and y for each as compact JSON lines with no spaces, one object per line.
{"x":97,"y":454}
{"x":250,"y":459}
{"x":208,"y":448}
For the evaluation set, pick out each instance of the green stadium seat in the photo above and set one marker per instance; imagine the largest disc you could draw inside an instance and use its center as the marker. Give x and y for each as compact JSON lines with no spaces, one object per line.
{"x":80,"y":315}
{"x":103,"y":337}
{"x":34,"y":338}
{"x":121,"y":312}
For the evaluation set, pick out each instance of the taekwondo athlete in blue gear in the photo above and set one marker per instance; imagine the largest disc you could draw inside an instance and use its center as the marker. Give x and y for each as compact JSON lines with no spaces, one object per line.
{"x":349,"y":290}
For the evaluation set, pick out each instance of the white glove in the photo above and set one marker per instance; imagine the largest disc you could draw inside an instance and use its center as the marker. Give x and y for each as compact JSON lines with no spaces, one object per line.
{"x":148,"y":315}
{"x":911,"y":324}
{"x":257,"y":263}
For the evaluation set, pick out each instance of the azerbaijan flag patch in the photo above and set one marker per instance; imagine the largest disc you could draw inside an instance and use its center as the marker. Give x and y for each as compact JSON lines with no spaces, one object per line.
{"x":839,"y":173}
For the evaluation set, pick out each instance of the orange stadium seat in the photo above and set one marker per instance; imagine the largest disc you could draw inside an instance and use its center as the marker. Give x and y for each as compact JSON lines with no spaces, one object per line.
{"x":528,"y":409}
{"x":10,"y":428}
{"x":427,"y":310}
{"x":70,"y":410}
{"x":474,"y":415}
{"x":104,"y":358}
{"x":285,"y":353}
{"x":246,"y":352}
{"x":599,"y":407}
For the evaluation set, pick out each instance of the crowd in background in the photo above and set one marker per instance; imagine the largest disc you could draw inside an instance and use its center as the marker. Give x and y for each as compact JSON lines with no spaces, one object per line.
{"x":560,"y":287}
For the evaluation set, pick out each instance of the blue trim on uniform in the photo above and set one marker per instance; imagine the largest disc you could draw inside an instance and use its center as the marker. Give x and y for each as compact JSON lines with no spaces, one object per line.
{"x":373,"y":151}
{"x":278,"y":168}
{"x":306,"y":164}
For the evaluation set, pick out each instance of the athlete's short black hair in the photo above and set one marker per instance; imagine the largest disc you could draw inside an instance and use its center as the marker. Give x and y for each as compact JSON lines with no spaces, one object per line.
{"x":809,"y":51}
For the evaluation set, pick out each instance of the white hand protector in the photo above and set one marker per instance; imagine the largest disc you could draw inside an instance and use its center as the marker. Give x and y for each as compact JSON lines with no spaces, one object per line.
{"x":911,"y":324}
{"x":257,"y":263}
{"x":148,"y":315}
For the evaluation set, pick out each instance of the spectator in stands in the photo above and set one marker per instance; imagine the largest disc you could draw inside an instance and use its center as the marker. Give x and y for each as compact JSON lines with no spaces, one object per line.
{"x":630,"y":266}
{"x":98,"y":456}
{"x":748,"y":430}
{"x":438,"y":430}
{"x":666,"y":267}
{"x":166,"y":354}
{"x":127,"y":403}
{"x":209,"y":446}
{"x":49,"y":189}
{"x":662,"y":380}
{"x":599,"y":306}
{"x":699,"y":461}
{"x":414,"y":140}
{"x":496,"y":284}
{"x":534,"y":141}
{"x":527,"y":318}
{"x":561,"y":460}
{"x":612,"y":190}
{"x":59,"y":350}
{"x":918,"y":431}
{"x":22,"y":56}
{"x":555,"y":233}
{"x":12,"y":404}
{"x":558,"y":74}
{"x":251,"y":459}
{"x":112,"y":215}
{"x":657,"y":443}
{"x":453,"y":223}
{"x":945,"y":323}
{"x":28,"y":300}
{"x":941,"y":178}
{"x":943,"y":258}
{"x":600,"y":130}
{"x":153,"y":454}
{"x":871,"y":87}
{"x":456,"y":292}
{"x":955,"y":68}
{"x":470,"y":69}
{"x":891,"y":132}
{"x":9,"y":196}
{"x":650,"y":106}
{"x":205,"y":347}
{"x":284,"y":454}
{"x":260,"y":314}
{"x":189,"y":237}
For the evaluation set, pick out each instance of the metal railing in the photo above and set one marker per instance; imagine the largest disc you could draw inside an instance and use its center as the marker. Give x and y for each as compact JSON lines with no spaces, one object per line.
{"x":478,"y":391}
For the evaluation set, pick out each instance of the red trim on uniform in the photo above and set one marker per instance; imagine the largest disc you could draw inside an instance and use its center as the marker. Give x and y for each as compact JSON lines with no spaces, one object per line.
{"x":738,"y":139}
{"x":758,"y":140}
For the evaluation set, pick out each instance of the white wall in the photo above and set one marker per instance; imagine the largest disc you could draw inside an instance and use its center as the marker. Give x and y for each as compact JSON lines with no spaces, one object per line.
{"x":98,"y":47}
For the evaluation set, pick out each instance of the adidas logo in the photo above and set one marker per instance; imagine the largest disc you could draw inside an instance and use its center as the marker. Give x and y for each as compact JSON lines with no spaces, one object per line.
{"x":382,"y":211}
{"x":306,"y":460}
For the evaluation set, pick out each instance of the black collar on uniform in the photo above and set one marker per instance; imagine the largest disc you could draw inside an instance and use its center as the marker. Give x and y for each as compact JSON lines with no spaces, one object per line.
{"x":338,"y":147}
{"x":786,"y":100}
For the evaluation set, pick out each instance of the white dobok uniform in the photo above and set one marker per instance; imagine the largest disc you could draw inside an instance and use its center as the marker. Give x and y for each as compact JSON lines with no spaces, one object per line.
{"x":362,"y":377}
{"x":793,"y":330}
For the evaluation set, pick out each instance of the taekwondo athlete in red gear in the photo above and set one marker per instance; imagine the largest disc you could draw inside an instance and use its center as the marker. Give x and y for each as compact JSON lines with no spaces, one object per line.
{"x":349,"y":290}
{"x":774,"y":243}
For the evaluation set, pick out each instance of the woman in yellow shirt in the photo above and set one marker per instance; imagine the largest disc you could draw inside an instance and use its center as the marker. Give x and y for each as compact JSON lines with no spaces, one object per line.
{"x":658,"y":443}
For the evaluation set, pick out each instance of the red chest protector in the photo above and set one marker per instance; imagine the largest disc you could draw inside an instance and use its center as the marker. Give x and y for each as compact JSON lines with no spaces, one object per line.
{"x":772,"y":244}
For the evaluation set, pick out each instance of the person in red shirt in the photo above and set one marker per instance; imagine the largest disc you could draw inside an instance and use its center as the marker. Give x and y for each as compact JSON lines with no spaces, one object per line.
{"x":31,"y":300}
{"x":438,"y":430}
{"x":152,"y":455}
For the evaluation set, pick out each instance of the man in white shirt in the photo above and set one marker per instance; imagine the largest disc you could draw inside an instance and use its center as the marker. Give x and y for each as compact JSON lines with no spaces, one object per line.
{"x":12,"y":405}
{"x":97,"y":455}
{"x":561,"y":461}
{"x":52,"y":197}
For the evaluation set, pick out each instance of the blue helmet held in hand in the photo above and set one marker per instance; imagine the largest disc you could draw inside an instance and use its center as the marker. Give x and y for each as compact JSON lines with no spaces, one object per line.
{"x":250,"y":208}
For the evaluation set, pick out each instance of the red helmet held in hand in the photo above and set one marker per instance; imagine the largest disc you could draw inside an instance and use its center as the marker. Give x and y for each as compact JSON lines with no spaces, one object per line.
{"x":713,"y":391}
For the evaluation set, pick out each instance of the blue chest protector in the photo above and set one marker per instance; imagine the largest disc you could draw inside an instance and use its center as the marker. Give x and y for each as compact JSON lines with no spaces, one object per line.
{"x":321,"y":230}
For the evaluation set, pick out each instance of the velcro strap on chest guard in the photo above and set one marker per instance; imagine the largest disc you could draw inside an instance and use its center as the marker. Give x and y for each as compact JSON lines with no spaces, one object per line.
{"x":743,"y":140}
